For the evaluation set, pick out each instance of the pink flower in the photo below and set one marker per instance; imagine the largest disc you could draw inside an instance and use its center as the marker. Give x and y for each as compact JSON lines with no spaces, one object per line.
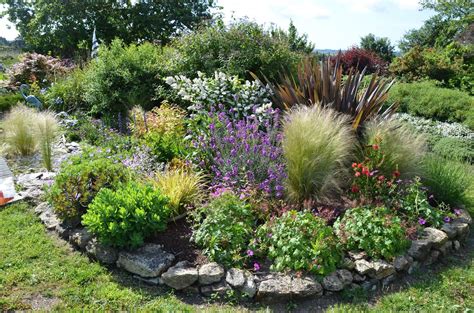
{"x":249,"y":252}
{"x":421,"y":221}
{"x":256,"y":266}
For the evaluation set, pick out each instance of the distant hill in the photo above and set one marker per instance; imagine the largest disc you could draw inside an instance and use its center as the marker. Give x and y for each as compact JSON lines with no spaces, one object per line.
{"x":327,"y":51}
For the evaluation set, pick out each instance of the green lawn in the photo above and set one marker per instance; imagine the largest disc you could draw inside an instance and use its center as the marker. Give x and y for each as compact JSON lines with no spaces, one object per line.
{"x":38,"y":271}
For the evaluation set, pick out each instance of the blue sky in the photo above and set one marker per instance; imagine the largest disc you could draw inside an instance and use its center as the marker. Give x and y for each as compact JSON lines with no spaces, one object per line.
{"x":330,"y":24}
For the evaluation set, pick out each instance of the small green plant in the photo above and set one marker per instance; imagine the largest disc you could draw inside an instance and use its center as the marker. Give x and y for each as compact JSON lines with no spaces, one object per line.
{"x":317,"y":144}
{"x":125,"y":217}
{"x":78,"y":182}
{"x":183,"y":187}
{"x":450,"y":182}
{"x":226,"y":230}
{"x":458,"y":149}
{"x":299,"y":241}
{"x":9,"y":100}
{"x":19,"y":130}
{"x":374,"y":230}
{"x":47,"y":131}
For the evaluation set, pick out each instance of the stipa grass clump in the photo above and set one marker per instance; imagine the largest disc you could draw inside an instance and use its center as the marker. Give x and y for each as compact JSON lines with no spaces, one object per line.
{"x":19,"y":131}
{"x":46,"y":132}
{"x":317,"y":144}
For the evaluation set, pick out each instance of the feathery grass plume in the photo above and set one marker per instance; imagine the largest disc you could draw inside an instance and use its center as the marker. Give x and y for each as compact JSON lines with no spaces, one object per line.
{"x":18,"y":126}
{"x":451,"y":182}
{"x":317,"y":144}
{"x":182,"y":186}
{"x":46,"y":131}
{"x":403,"y":149}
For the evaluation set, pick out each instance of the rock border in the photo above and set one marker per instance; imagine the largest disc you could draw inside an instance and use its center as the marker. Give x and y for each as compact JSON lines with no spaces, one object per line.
{"x":153,"y":265}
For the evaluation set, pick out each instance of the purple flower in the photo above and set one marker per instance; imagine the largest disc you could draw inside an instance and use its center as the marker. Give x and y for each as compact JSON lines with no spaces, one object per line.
{"x":457,"y":212}
{"x":447,"y":219}
{"x":421,"y":221}
{"x":256,"y":266}
{"x":249,"y":252}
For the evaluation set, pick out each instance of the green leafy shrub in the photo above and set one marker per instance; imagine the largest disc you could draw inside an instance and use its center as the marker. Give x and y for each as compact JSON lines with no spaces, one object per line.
{"x":299,"y":241}
{"x":67,"y":94}
{"x":19,"y":130}
{"x":317,"y":144}
{"x":125,"y":217}
{"x":226,"y":230}
{"x":78,"y":182}
{"x":402,"y":148}
{"x":122,"y":77}
{"x":427,"y":100}
{"x":8,"y":100}
{"x":374,"y":230}
{"x":86,"y":129}
{"x":450,"y":181}
{"x":455,"y":149}
{"x":237,"y":49}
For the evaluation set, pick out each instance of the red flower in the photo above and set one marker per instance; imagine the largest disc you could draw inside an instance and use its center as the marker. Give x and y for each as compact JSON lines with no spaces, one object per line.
{"x":357,"y":174}
{"x":359,"y":165}
{"x":355,"y":189}
{"x":381,"y":177}
{"x":365,"y":171}
{"x":354,"y":165}
{"x":375,"y":147}
{"x":396,"y":173}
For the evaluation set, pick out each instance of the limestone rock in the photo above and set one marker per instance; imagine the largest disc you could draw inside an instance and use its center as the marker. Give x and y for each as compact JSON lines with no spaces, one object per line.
{"x":382,"y":269}
{"x":435,"y":236}
{"x":49,"y":219}
{"x":148,"y":261}
{"x":302,"y":287}
{"x":250,"y":287}
{"x":42,"y":207}
{"x":210,"y":273}
{"x":235,"y":277}
{"x":401,"y":263}
{"x":456,"y":245}
{"x":219,"y":288}
{"x":462,"y":229}
{"x":420,"y":248}
{"x":363,"y":267}
{"x":345,"y":276}
{"x":449,"y":230}
{"x":102,"y":253}
{"x":336,"y":281}
{"x":357,"y":255}
{"x":446,"y":248}
{"x":80,"y":237}
{"x":180,"y":276}
{"x":388,"y":280}
{"x":279,"y":288}
{"x":463,"y":217}
{"x":432,"y":258}
{"x":348,"y":264}
{"x":359,"y":278}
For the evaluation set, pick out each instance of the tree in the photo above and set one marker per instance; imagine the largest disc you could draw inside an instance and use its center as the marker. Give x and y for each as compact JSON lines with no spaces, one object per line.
{"x":379,"y":45}
{"x":297,"y":42}
{"x":62,"y":27}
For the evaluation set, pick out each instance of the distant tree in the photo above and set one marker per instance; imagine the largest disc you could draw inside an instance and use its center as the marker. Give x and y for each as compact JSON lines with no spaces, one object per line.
{"x":62,"y":27}
{"x":4,"y":41}
{"x":297,"y":42}
{"x":379,"y":45}
{"x":359,"y":58}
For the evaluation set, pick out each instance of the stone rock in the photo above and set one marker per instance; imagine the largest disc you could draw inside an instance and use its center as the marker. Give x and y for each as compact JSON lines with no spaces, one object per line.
{"x":463,"y":217}
{"x":414,"y":267}
{"x":63,"y":231}
{"x":456,"y":245}
{"x":42,"y":207}
{"x":462,"y":229}
{"x":235,"y":277}
{"x":401,"y":263}
{"x":279,"y":288}
{"x":419,"y":249}
{"x":359,"y":278}
{"x":302,"y":287}
{"x":449,"y":230}
{"x":180,"y":276}
{"x":432,"y":258}
{"x":332,"y":282}
{"x":382,"y":269}
{"x":102,"y":253}
{"x":210,"y":273}
{"x":348,"y":264}
{"x":363,"y":267}
{"x":219,"y":288}
{"x":345,"y":276}
{"x":250,"y":287}
{"x":80,"y":237}
{"x":49,"y":219}
{"x":370,"y":285}
{"x":148,"y":261}
{"x":435,"y":236}
{"x":357,"y":255}
{"x":149,"y":281}
{"x":446,"y":248}
{"x":388,"y":280}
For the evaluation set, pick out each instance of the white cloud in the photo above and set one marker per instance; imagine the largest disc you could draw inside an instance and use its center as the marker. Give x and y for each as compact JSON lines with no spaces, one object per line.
{"x":380,"y":5}
{"x":7,"y":29}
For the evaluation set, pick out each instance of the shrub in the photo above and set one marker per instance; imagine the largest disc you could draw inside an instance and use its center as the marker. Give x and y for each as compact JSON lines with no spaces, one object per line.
{"x":243,"y":154}
{"x":236,"y":49}
{"x":402,"y":148}
{"x":450,"y":181}
{"x":85,"y":129}
{"x":203,"y":93}
{"x":19,"y":131}
{"x":37,"y":68}
{"x":317,"y":143}
{"x":374,"y":230}
{"x":359,"y":59}
{"x":299,"y":241}
{"x":78,"y":182}
{"x":67,"y":94}
{"x":427,"y":100}
{"x":47,"y":131}
{"x":125,"y":217}
{"x":122,"y":77}
{"x":455,"y":149}
{"x":183,"y":187}
{"x":8,"y":100}
{"x":226,"y":230}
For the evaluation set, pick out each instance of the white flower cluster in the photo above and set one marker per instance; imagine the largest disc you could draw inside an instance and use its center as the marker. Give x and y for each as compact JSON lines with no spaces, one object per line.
{"x":244,"y":97}
{"x":442,"y":129}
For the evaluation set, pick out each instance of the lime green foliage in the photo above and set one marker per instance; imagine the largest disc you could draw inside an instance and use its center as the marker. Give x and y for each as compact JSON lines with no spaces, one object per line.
{"x":225,"y":232}
{"x":428,"y":100}
{"x":122,"y":77}
{"x":236,"y":49}
{"x":125,"y":217}
{"x":67,"y":94}
{"x":78,"y":182}
{"x":317,"y":144}
{"x":47,"y":131}
{"x":458,"y":149}
{"x":183,"y":187}
{"x":414,"y":206}
{"x":33,"y":265}
{"x":299,"y":241}
{"x":8,"y":100}
{"x":374,"y":230}
{"x":19,"y":130}
{"x":402,"y":148}
{"x":451,"y":182}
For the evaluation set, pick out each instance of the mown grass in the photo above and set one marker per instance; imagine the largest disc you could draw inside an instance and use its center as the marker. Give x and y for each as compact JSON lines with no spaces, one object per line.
{"x":36,"y":268}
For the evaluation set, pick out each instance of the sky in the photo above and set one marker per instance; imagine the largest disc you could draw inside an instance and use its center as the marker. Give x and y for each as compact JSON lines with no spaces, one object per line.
{"x":330,"y":24}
